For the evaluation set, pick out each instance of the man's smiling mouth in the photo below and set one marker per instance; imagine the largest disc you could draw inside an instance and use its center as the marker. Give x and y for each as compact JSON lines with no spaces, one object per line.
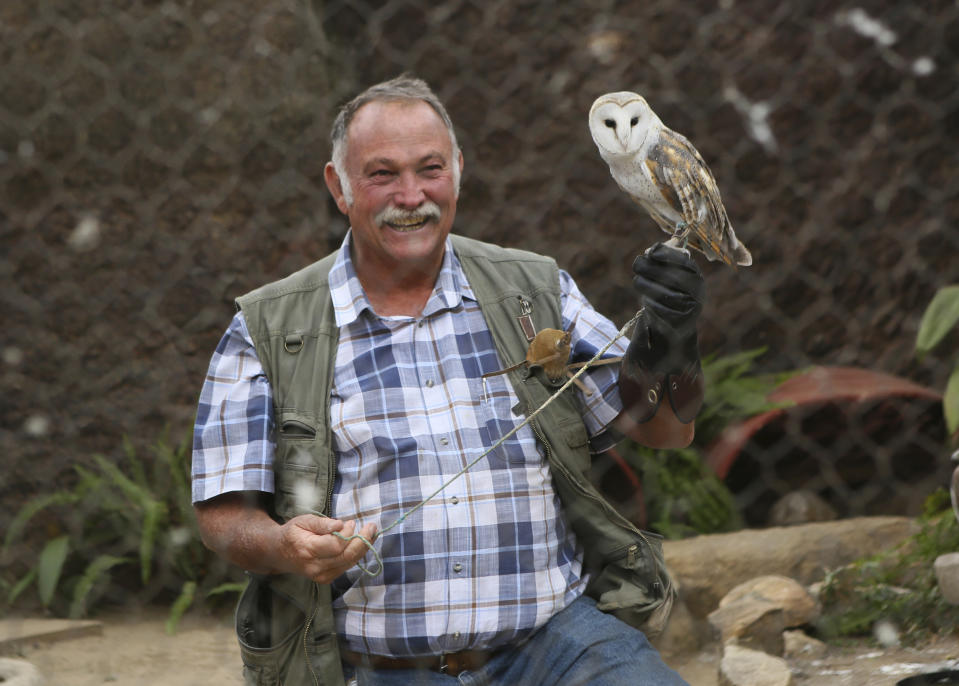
{"x":409,"y":220}
{"x":411,"y":224}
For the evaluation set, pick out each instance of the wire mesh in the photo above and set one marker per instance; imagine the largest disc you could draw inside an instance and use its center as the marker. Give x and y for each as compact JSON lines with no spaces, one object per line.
{"x":158,"y":159}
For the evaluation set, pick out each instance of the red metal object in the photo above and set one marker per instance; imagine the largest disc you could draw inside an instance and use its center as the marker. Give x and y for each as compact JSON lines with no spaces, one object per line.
{"x":815,"y":386}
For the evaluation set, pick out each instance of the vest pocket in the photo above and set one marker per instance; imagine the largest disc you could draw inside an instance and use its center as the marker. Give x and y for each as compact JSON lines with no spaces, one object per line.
{"x":300,"y":485}
{"x":295,"y":426}
{"x":268,"y":627}
{"x":573,"y":433}
{"x":634,"y":584}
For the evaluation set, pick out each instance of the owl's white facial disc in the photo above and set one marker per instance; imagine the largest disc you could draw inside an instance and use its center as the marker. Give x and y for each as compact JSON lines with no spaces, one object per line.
{"x":619,"y":122}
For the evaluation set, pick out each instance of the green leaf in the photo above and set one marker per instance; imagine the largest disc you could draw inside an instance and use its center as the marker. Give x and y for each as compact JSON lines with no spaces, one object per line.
{"x":178,"y":469}
{"x":21,"y":586}
{"x":49,"y":567}
{"x":32,"y":508}
{"x":950,"y":402}
{"x":229,"y":587}
{"x":938,"y":319}
{"x":154,"y":511}
{"x":89,"y":485}
{"x":180,"y":605}
{"x":100,"y":566}
{"x":139,"y":476}
{"x":152,"y":519}
{"x":135,"y":493}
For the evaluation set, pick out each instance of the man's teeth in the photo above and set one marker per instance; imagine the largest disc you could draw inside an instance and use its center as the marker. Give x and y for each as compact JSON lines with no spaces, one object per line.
{"x":408,"y":223}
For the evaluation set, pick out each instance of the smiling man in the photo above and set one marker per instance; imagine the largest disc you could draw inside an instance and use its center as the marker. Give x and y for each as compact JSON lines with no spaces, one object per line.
{"x":343,"y":397}
{"x":398,"y":184}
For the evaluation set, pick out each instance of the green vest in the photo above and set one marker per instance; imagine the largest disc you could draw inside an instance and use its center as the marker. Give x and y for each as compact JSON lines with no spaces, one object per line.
{"x":285,"y":623}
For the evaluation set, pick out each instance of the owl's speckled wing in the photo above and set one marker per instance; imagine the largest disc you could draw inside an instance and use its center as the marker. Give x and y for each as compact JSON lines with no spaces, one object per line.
{"x":688,"y":187}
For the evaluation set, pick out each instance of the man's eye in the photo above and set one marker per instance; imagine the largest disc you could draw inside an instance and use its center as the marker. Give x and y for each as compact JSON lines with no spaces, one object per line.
{"x":381,"y":173}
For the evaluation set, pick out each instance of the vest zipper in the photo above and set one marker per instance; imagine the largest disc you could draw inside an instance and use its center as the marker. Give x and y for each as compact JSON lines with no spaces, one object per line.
{"x":309,"y":622}
{"x":631,"y":550}
{"x":306,"y":633}
{"x":543,"y":442}
{"x":332,"y":477}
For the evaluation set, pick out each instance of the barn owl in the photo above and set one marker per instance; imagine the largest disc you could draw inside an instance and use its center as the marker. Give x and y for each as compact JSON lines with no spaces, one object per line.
{"x":661,"y":170}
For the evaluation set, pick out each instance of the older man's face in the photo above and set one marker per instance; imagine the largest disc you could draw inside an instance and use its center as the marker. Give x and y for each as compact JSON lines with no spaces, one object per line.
{"x":400,"y":165}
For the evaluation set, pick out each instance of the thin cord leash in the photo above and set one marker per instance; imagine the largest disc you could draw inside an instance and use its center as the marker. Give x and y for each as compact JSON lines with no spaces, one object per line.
{"x":498,"y":443}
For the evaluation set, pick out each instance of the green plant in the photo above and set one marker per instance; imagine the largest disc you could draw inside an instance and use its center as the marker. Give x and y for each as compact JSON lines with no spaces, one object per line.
{"x":682,"y":495}
{"x":938,"y":320}
{"x":124,"y":528}
{"x":898,"y":585}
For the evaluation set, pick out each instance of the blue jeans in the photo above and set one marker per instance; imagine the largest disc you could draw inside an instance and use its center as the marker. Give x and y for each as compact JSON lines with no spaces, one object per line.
{"x":580,"y":646}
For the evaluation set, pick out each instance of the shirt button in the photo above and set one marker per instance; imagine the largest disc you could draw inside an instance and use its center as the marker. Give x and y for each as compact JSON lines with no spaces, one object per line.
{"x":454,"y":500}
{"x":456,"y":635}
{"x":444,"y":441}
{"x":429,"y":383}
{"x":422,"y":322}
{"x":457,"y":568}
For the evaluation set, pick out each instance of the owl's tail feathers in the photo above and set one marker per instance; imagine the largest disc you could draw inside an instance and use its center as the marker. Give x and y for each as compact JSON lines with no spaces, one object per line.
{"x":728,"y":248}
{"x":738,"y":253}
{"x":741,"y":256}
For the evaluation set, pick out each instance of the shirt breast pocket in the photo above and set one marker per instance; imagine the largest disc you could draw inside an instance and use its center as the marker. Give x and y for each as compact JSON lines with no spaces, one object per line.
{"x":500,"y":412}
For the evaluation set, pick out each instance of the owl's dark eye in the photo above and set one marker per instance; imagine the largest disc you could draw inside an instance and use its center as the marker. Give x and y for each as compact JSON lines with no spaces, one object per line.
{"x":634,"y":121}
{"x":610,"y":123}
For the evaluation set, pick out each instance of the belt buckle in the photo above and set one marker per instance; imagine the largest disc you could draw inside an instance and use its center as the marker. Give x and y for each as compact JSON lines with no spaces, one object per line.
{"x":444,"y":665}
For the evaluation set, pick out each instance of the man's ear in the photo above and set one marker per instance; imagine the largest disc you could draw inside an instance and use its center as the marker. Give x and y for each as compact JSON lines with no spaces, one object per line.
{"x":459,"y":176}
{"x":336,"y":189}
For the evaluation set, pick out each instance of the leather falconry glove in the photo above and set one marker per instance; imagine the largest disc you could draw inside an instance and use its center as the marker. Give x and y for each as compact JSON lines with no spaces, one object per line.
{"x":663,"y":354}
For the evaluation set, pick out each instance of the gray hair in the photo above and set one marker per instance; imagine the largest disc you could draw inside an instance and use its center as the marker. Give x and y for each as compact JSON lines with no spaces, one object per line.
{"x":403,"y":88}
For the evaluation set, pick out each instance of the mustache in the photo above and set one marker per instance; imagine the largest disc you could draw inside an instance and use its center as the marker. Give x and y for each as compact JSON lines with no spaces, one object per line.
{"x":395,"y":215}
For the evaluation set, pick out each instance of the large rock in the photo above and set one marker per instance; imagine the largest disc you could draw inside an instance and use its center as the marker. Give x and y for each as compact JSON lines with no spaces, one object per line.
{"x":708,"y":567}
{"x":797,"y":644}
{"x":800,"y":507}
{"x":751,"y":623}
{"x":798,"y":606}
{"x":683,"y":633}
{"x":744,"y":667}
{"x":755,"y":613}
{"x":19,"y":673}
{"x":947,"y":574}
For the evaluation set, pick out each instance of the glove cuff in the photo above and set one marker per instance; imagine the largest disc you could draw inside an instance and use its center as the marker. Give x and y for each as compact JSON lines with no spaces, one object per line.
{"x":661,"y":361}
{"x":659,"y":346}
{"x":643,"y":393}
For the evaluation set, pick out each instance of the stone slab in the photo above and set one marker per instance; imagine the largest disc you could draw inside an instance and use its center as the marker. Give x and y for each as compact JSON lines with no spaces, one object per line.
{"x":16,"y":632}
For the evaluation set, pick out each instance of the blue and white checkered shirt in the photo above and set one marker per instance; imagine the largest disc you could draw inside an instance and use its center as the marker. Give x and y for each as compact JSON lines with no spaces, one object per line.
{"x":490,"y":558}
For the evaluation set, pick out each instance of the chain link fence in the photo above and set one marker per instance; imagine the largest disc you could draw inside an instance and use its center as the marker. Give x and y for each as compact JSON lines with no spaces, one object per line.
{"x":158,"y":159}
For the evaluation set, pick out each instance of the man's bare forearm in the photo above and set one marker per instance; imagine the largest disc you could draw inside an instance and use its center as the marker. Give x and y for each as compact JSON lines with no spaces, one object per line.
{"x":237,"y":527}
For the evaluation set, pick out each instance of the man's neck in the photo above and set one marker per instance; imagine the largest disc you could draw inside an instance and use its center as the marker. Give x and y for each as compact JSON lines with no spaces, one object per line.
{"x":398,"y":291}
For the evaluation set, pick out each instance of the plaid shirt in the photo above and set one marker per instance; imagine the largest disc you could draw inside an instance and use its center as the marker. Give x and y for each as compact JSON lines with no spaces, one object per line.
{"x":491,"y":557}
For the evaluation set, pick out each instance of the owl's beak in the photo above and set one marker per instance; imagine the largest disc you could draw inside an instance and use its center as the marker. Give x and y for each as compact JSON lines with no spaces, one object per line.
{"x":623,"y":138}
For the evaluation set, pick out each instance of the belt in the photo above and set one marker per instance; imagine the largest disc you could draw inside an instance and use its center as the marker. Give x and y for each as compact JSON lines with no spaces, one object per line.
{"x":448,"y":663}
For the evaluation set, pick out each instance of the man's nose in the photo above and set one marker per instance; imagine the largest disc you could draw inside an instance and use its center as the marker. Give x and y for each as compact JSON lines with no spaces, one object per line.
{"x":409,"y":192}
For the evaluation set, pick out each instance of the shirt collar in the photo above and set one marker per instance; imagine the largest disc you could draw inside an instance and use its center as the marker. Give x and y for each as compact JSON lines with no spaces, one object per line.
{"x":350,"y":301}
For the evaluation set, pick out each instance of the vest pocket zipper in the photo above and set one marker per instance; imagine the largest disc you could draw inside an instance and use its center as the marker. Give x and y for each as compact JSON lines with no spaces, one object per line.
{"x":293,"y":428}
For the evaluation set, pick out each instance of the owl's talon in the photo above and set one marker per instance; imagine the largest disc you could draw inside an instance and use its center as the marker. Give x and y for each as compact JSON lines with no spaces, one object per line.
{"x":676,"y":243}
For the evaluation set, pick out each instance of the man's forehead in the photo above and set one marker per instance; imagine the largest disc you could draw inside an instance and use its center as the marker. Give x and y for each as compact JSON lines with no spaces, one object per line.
{"x":374,"y":117}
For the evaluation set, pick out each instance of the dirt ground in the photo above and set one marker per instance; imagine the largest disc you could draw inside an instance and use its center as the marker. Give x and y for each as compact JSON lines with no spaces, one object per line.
{"x":134,"y":650}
